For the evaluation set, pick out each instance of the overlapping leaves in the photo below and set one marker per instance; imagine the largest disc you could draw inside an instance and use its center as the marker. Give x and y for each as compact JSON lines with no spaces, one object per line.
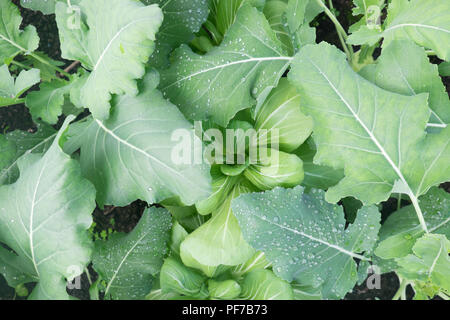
{"x":130,"y":156}
{"x":112,"y":39}
{"x":305,"y":238}
{"x":238,"y":74}
{"x":129,"y":262}
{"x":378,"y":137}
{"x":44,"y":218}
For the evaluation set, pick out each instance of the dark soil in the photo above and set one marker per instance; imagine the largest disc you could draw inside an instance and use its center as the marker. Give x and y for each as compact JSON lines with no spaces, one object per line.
{"x":115,"y":219}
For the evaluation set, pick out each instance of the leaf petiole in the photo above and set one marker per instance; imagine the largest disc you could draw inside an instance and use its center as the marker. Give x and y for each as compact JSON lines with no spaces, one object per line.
{"x":339,"y":28}
{"x":14,"y":103}
{"x":61,"y":71}
{"x":401,"y":292}
{"x":419,"y":213}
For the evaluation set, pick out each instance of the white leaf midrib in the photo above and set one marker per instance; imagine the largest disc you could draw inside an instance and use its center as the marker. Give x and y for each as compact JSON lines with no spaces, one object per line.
{"x":369,"y":132}
{"x":433,"y":265}
{"x":125,"y":257}
{"x":118,"y":33}
{"x":310,"y":237}
{"x":3,"y":173}
{"x":131,"y":146}
{"x":419,"y":25}
{"x":226,"y":65}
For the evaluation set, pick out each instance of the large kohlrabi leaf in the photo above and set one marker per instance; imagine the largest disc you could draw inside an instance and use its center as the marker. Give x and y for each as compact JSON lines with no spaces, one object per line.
{"x":234,"y":76}
{"x":182,"y":19}
{"x":305,"y":237}
{"x":113,"y":39}
{"x":10,"y":89}
{"x":426,"y":22}
{"x":133,"y":155}
{"x":129,"y":262}
{"x":378,"y":137}
{"x":13,"y":40}
{"x":401,"y":230}
{"x":404,"y":68}
{"x":17,"y":143}
{"x":219,"y":241}
{"x":44,"y":218}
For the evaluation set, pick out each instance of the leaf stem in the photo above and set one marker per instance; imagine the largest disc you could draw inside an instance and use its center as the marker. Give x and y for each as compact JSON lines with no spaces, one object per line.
{"x":61,"y":71}
{"x":340,"y":29}
{"x":14,"y":103}
{"x":20,"y":65}
{"x":88,"y":276}
{"x":443,"y":296}
{"x":401,"y":292}
{"x":419,"y":213}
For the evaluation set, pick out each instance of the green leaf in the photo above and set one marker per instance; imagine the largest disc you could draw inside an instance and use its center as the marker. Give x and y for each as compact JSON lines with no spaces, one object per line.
{"x":181,"y":20}
{"x":430,"y":261}
{"x":274,"y":11}
{"x":225,"y":290}
{"x":44,"y":219}
{"x":279,"y":169}
{"x":175,"y":277}
{"x":404,"y":68}
{"x":264,"y":285}
{"x":281,"y":116}
{"x":129,"y":262}
{"x":219,"y":241}
{"x":258,"y":261}
{"x":10,"y":89}
{"x":13,"y":40}
{"x":221,"y":188}
{"x":370,"y":10}
{"x":444,"y":69}
{"x":378,"y":137}
{"x":229,"y":78}
{"x":295,"y":13}
{"x":401,"y":230}
{"x":109,"y":31}
{"x":223,"y":12}
{"x":316,"y":176}
{"x":47,"y":103}
{"x":44,"y":6}
{"x":365,"y":36}
{"x":406,"y":20}
{"x":306,"y":292}
{"x":17,"y":143}
{"x":132,"y":155}
{"x":39,"y":61}
{"x":305,"y":237}
{"x":362,"y":6}
{"x":177,"y":237}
